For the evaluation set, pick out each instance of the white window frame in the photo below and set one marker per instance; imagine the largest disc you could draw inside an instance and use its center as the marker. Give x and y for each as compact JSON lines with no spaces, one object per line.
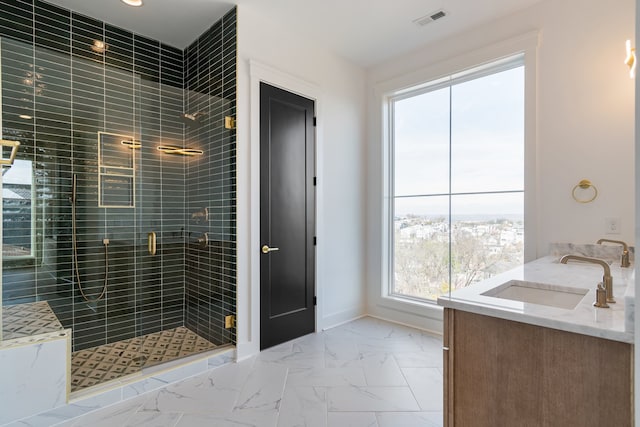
{"x":526,"y":45}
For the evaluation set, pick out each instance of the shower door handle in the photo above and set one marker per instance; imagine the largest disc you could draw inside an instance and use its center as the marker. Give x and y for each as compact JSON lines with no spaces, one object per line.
{"x":266,"y":249}
{"x":151,"y":242}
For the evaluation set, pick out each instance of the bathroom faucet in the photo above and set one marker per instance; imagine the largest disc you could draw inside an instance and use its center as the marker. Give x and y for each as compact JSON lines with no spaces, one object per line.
{"x":606,"y":279}
{"x":625,"y":250}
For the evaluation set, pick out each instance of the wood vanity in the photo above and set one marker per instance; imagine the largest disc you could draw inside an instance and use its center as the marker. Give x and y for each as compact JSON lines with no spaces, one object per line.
{"x":503,"y":373}
{"x":509,"y":362}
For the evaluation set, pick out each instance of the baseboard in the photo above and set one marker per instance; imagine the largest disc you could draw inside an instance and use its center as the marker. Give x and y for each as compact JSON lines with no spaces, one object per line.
{"x":409,"y":318}
{"x":430,"y":331}
{"x":340,"y":318}
{"x":246,"y":349}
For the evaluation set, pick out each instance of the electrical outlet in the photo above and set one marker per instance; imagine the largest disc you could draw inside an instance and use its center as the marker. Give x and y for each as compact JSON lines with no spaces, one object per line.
{"x":612,"y":225}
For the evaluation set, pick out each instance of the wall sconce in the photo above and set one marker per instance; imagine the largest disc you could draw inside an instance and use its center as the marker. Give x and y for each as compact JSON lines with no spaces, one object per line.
{"x":631,"y":59}
{"x":131,"y":143}
{"x":171,"y":149}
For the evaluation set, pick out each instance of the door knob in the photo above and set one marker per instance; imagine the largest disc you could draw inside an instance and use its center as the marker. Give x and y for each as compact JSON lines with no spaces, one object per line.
{"x":266,"y":249}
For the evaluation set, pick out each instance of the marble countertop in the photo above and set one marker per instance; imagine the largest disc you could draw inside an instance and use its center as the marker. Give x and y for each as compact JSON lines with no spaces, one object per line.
{"x":608,"y":323}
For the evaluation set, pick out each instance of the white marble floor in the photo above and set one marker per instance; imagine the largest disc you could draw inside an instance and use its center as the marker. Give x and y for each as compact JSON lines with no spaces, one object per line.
{"x":364,"y":373}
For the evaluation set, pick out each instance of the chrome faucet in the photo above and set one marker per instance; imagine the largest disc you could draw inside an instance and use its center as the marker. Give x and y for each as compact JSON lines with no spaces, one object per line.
{"x":625,"y":250}
{"x":607,"y":280}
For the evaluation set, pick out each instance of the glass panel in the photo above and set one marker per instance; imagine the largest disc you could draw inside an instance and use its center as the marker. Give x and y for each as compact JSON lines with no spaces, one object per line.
{"x":421,"y":246}
{"x":487,"y":236}
{"x":421,"y":144}
{"x":487,"y":133}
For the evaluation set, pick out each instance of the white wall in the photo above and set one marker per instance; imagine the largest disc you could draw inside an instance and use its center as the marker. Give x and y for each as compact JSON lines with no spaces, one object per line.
{"x":585,"y":124}
{"x":339,"y":89}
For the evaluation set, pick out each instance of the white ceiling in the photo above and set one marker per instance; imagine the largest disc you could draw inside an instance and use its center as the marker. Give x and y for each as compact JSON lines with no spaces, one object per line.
{"x":366,"y":32}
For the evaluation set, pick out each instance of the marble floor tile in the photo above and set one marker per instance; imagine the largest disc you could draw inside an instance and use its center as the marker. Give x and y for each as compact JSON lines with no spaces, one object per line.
{"x":381,"y":369}
{"x":326,"y":377}
{"x":364,"y":373}
{"x":410,"y":419}
{"x":426,"y":384}
{"x":309,"y":343}
{"x":340,"y":349}
{"x":429,"y":358}
{"x":233,"y":376}
{"x":263,"y":389}
{"x":293,"y":359}
{"x":153,"y":419}
{"x":352,"y":419}
{"x":112,"y":415}
{"x":370,"y":399}
{"x":243,"y":419}
{"x":303,"y":406}
{"x":197,"y":395}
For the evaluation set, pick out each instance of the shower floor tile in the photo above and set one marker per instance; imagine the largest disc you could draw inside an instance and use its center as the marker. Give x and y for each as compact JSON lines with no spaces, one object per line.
{"x":24,"y":320}
{"x":112,"y":361}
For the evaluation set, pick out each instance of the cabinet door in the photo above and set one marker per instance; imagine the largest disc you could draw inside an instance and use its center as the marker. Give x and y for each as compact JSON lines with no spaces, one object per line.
{"x":587,"y":380}
{"x":496,"y":372}
{"x":504,"y":373}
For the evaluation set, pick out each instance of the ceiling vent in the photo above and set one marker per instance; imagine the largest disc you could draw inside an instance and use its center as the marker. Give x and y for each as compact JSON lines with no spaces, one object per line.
{"x":427,"y":19}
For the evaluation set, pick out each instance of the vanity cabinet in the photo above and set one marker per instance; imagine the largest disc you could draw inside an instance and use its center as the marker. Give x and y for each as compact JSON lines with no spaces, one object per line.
{"x":504,"y":373}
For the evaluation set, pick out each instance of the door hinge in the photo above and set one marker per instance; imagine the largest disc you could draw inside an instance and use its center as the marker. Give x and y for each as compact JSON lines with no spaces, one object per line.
{"x":315,"y":181}
{"x":229,"y":321}
{"x":229,"y":122}
{"x":315,"y":121}
{"x":315,"y":301}
{"x":315,"y":241}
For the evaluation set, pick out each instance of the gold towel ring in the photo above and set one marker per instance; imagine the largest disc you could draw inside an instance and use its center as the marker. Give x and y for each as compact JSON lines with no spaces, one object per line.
{"x":585,"y":184}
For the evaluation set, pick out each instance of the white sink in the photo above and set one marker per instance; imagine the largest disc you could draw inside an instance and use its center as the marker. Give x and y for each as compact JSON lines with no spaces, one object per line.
{"x":539,"y":293}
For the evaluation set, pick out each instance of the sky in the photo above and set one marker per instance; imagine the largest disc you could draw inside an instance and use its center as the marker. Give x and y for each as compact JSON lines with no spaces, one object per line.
{"x":486,"y":145}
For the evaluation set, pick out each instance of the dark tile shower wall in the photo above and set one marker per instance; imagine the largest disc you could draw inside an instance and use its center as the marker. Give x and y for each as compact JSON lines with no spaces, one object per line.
{"x":210,"y":83}
{"x":137,"y":88}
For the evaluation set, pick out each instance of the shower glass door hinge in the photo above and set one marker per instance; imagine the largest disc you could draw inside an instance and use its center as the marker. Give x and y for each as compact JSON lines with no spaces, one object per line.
{"x":229,"y":321}
{"x":229,"y":122}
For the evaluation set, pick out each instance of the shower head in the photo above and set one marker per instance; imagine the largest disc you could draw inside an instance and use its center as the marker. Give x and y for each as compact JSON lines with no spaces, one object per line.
{"x":191,"y":119}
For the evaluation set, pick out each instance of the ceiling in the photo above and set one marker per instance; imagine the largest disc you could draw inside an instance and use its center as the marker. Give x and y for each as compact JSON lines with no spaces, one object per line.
{"x":366,"y":32}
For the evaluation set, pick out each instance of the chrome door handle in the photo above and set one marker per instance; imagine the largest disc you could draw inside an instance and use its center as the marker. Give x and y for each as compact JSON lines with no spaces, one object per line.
{"x":266,"y":249}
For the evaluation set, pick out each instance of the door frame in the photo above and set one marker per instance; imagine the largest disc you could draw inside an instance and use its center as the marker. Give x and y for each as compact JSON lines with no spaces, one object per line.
{"x":248,"y":303}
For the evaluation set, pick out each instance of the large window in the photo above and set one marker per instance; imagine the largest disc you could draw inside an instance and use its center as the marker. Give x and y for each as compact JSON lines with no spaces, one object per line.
{"x":457,"y":180}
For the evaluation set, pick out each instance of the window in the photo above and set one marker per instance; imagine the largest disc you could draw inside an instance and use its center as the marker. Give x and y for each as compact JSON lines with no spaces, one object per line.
{"x":457,"y":180}
{"x":17,"y":211}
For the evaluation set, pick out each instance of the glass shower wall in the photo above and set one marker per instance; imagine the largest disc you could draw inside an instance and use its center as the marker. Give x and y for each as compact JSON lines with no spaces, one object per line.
{"x":60,"y":91}
{"x":210,"y":82}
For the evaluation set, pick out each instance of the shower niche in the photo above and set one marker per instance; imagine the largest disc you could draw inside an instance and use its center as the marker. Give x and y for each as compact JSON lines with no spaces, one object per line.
{"x":116,"y":170}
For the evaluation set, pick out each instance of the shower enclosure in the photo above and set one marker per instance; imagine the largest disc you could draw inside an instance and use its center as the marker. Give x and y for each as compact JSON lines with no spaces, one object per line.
{"x":93,"y":185}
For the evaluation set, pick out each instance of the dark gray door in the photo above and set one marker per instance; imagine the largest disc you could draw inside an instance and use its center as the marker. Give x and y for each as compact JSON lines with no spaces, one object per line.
{"x":287,"y":223}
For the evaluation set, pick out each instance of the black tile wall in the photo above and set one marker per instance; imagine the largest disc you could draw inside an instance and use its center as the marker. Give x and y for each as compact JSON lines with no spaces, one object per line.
{"x":210,"y":69}
{"x":67,"y":91}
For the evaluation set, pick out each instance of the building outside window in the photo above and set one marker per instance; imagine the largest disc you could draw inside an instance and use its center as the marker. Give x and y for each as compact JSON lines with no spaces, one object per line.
{"x":17,"y":211}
